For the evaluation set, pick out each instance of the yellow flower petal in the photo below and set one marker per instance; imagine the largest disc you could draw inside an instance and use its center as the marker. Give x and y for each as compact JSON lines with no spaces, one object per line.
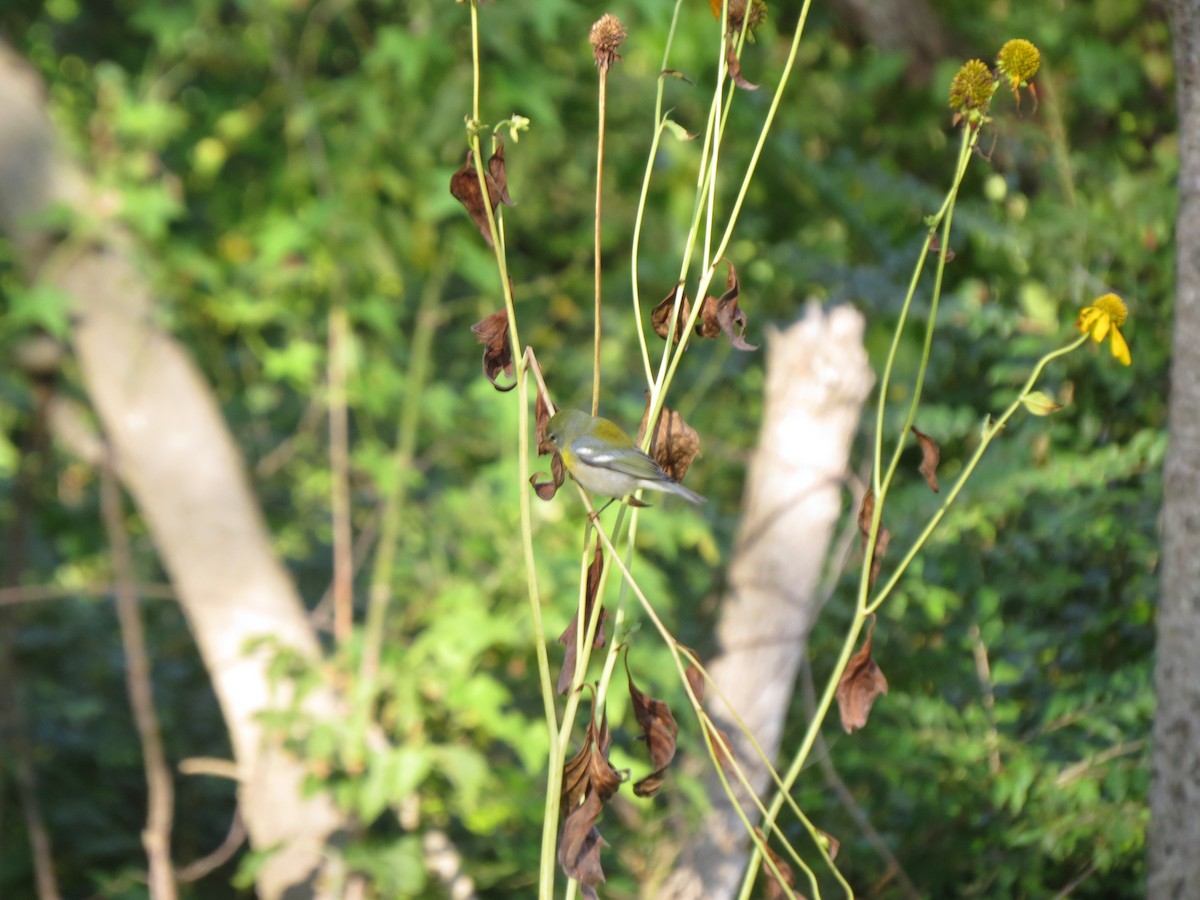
{"x":1087,"y":318}
{"x":1100,"y":329}
{"x":1120,"y":349}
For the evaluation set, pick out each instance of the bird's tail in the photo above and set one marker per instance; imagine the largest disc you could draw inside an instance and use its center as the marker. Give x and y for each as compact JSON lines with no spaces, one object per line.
{"x":674,"y":487}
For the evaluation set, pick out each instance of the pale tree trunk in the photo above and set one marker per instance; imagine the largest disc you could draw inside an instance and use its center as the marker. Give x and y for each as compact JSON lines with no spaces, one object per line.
{"x":818,"y":377}
{"x":1174,"y":836}
{"x":176,"y":458}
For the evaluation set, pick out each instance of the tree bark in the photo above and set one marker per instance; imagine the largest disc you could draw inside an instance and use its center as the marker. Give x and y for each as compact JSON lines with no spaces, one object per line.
{"x":1174,"y":835}
{"x":818,"y":377}
{"x":178,"y":461}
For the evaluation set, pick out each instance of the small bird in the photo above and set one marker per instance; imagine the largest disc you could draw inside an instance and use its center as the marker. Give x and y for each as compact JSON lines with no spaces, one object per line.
{"x":601,"y":457}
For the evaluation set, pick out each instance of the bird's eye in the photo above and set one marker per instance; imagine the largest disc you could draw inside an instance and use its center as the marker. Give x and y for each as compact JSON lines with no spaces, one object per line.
{"x":553,"y":437}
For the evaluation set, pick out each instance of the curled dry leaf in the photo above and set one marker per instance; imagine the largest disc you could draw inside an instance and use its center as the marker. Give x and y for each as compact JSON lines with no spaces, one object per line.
{"x":659,"y":731}
{"x":725,"y":315}
{"x":589,"y":781}
{"x":735,"y":66}
{"x":675,"y":444}
{"x":865,"y":513}
{"x":881,"y":544}
{"x":721,"y":745}
{"x":464,"y":186}
{"x":558,"y":472}
{"x":569,"y":637}
{"x":499,"y":174}
{"x":861,"y":683}
{"x":695,"y":678}
{"x":773,"y":890}
{"x":660,"y":317}
{"x":832,"y":844}
{"x":541,"y":426}
{"x":935,"y":247}
{"x":492,"y":332}
{"x":931,"y":455}
{"x":547,"y":489}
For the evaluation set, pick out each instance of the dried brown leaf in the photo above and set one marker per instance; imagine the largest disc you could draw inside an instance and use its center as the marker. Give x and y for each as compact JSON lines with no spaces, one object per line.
{"x":725,"y":315}
{"x":735,"y":66}
{"x":589,"y":769}
{"x":866,"y":510}
{"x":675,"y":444}
{"x":492,"y":332}
{"x":935,"y":247}
{"x":695,"y":677}
{"x":721,"y":745}
{"x":865,"y":513}
{"x":464,"y":186}
{"x":659,"y":731}
{"x":861,"y":683}
{"x":772,"y":889}
{"x":589,"y":781}
{"x":931,"y":455}
{"x":579,"y":846}
{"x":541,"y":426}
{"x":832,"y":844}
{"x":496,"y":169}
{"x":660,"y":316}
{"x":881,"y":544}
{"x":569,"y":636}
{"x":558,"y":474}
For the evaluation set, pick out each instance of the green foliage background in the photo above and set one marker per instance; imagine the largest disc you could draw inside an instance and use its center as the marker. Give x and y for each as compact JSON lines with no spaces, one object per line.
{"x":270,"y":156}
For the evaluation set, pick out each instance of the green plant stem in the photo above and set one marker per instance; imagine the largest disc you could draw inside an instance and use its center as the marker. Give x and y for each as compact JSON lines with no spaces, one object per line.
{"x":602,"y":104}
{"x":665,"y":379}
{"x":945,"y":218}
{"x":639,"y":217}
{"x":989,"y":434}
{"x":475,"y":66}
{"x":673,"y":645}
{"x":521,"y":366}
{"x":560,"y":738}
{"x":880,"y":486}
{"x":864,"y":610}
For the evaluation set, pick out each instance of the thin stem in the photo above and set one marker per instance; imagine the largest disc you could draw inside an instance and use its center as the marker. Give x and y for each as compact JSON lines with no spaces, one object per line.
{"x":752,"y":166}
{"x":602,"y":104}
{"x":946,"y":217}
{"x":969,"y":138}
{"x":989,"y":434}
{"x":673,"y":645}
{"x":495,"y":228}
{"x":716,"y":131}
{"x":660,"y":124}
{"x":864,"y":610}
{"x":475,"y":68}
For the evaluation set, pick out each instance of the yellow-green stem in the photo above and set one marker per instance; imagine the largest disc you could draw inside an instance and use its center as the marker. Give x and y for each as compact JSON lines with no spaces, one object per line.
{"x":993,"y":429}
{"x":601,"y":104}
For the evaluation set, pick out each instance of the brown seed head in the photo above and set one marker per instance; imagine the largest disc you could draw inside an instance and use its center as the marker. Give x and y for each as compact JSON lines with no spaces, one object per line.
{"x":607,"y":35}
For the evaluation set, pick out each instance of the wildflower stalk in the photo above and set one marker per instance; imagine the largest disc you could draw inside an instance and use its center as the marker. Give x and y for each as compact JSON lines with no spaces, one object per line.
{"x":942,"y":218}
{"x":521,"y":368}
{"x":993,"y":428}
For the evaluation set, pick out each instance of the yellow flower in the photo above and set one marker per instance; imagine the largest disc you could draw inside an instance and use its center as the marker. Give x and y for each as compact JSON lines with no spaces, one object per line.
{"x":1105,"y":316}
{"x":1018,"y":61}
{"x":971,"y":90}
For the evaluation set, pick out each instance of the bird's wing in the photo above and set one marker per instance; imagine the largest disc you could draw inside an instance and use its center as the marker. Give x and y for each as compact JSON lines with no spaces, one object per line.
{"x":628,"y":461}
